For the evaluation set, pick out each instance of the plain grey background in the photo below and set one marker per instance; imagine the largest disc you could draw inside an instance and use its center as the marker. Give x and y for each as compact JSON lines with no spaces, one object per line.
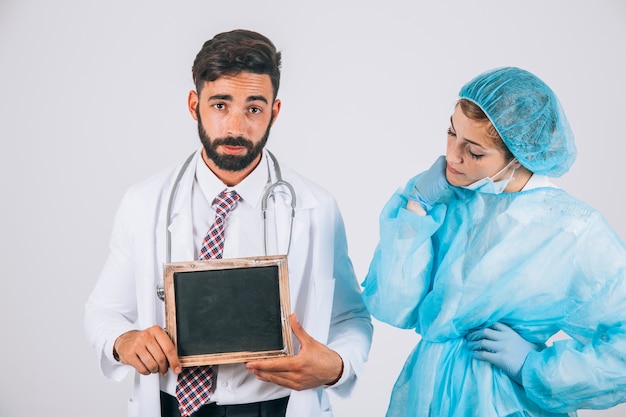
{"x":93,"y":99}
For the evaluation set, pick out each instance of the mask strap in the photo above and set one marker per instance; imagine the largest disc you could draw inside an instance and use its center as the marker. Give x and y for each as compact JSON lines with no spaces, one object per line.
{"x":493,"y":177}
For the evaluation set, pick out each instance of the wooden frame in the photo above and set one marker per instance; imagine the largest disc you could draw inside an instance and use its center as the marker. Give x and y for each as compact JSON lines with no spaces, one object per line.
{"x":228,"y":310}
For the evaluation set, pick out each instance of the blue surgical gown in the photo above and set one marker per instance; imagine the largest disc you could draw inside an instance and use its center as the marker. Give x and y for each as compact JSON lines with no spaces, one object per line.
{"x":538,"y":260}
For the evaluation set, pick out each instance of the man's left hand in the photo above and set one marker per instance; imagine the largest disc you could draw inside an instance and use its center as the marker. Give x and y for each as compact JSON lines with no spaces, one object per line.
{"x":313,"y":366}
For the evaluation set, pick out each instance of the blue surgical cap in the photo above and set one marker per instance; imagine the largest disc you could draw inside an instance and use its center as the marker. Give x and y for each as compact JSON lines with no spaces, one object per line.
{"x":528,"y":116}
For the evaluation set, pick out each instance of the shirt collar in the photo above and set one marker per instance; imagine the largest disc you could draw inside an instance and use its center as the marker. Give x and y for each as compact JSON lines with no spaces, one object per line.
{"x":250,"y":189}
{"x":538,"y":181}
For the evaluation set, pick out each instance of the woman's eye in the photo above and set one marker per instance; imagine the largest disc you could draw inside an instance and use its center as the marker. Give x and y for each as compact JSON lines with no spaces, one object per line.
{"x":451,"y":132}
{"x":473,"y":155}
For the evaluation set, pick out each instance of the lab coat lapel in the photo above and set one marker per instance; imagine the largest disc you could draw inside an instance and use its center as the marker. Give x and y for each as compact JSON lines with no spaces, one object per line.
{"x":181,"y":231}
{"x":300,"y":247}
{"x":180,"y":223}
{"x":304,"y":247}
{"x":282,"y":223}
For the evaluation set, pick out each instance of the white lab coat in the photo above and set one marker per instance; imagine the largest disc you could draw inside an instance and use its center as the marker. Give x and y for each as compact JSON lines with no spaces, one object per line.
{"x":324,"y":291}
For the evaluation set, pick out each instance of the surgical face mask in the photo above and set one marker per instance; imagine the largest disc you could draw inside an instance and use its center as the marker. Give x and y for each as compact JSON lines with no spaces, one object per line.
{"x":489,"y":185}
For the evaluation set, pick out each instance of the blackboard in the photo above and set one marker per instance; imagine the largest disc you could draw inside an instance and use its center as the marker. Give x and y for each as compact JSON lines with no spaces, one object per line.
{"x":228,"y":310}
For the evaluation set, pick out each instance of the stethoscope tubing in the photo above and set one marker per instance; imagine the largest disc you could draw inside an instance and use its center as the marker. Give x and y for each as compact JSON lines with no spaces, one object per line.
{"x":269,"y":189}
{"x":170,"y":203}
{"x":266,"y":195}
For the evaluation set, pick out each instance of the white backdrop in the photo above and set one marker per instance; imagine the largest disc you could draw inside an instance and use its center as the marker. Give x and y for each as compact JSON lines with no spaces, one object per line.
{"x":93,"y":99}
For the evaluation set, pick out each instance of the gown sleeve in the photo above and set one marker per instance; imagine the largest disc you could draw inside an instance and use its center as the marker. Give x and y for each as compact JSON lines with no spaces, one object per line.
{"x":399,"y":275}
{"x":587,"y":371}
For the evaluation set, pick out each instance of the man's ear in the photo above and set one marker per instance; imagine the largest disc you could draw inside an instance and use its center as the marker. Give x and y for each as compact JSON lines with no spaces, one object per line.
{"x":192,"y":104}
{"x":275,"y":109}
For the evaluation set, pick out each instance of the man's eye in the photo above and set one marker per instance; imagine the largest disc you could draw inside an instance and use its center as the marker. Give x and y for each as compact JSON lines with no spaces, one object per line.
{"x":219,"y":106}
{"x":255,"y":110}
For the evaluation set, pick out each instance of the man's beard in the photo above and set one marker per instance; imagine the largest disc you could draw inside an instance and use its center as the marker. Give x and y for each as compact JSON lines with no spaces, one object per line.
{"x":231,"y":162}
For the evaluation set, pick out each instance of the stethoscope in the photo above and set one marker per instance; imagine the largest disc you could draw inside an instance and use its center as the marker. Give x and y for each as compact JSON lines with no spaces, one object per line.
{"x":269,"y":189}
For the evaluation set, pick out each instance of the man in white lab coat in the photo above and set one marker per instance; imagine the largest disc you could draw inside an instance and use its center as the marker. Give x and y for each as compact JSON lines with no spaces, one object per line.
{"x":237,"y":77}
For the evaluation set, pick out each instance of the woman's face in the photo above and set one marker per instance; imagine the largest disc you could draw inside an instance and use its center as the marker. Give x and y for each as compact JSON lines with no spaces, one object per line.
{"x":471,"y":154}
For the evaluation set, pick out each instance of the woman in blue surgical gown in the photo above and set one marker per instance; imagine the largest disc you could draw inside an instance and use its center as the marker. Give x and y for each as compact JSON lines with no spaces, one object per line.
{"x":486,"y":259}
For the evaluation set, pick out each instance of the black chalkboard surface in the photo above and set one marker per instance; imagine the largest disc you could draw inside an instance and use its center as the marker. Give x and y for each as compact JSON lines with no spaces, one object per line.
{"x":228,"y":310}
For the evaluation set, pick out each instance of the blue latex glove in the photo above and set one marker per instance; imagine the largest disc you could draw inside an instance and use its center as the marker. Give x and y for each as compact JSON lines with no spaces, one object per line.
{"x":432,"y":186}
{"x":502,"y":347}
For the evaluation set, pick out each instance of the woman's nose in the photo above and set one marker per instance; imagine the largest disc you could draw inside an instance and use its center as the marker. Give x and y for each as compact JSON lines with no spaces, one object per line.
{"x":453,"y":152}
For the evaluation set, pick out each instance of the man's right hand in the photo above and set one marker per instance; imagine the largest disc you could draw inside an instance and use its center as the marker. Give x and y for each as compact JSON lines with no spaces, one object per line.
{"x":148,"y":351}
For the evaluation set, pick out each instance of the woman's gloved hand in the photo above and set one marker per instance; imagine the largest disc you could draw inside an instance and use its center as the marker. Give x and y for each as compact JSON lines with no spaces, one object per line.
{"x":431,"y":187}
{"x":501,"y":346}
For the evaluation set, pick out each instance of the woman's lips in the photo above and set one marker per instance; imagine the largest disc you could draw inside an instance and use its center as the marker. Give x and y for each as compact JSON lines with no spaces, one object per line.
{"x":453,"y":171}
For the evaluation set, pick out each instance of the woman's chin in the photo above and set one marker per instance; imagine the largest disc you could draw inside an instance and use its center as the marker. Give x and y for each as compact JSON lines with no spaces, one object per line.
{"x":456,"y":182}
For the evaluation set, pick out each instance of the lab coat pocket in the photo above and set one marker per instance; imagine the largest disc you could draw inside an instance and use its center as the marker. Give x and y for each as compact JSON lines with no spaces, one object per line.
{"x":133,"y":408}
{"x":320,"y":308}
{"x":325,"y":407}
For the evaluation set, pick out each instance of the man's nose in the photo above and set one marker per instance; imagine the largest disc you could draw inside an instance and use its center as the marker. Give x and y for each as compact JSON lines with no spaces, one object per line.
{"x":236,"y":124}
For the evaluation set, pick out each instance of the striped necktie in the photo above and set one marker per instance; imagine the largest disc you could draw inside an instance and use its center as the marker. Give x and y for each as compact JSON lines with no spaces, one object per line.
{"x":194,"y":383}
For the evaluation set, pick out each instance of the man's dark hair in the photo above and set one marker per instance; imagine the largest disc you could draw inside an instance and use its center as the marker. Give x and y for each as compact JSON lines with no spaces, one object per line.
{"x":230,"y":53}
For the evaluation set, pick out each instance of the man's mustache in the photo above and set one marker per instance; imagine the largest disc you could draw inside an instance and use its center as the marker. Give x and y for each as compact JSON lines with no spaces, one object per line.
{"x":232,"y":141}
